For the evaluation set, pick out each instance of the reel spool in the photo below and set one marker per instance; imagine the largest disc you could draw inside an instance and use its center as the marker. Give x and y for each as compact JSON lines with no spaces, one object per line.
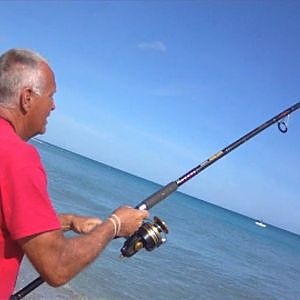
{"x":149,"y":236}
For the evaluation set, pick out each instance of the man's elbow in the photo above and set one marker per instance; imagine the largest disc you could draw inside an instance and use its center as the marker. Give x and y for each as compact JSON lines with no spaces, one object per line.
{"x":56,"y":279}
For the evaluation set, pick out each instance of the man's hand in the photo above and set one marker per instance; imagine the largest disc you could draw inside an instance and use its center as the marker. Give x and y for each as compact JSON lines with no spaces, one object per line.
{"x":128,"y":220}
{"x":78,"y":224}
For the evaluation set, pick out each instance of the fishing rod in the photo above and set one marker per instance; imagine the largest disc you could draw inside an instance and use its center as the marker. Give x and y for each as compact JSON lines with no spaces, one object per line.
{"x":153,"y":234}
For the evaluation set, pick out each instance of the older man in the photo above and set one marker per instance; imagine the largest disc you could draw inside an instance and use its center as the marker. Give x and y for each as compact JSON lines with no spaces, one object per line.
{"x":28,"y":223}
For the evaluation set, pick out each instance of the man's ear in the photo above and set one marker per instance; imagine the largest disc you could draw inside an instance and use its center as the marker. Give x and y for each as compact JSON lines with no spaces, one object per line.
{"x":26,"y":98}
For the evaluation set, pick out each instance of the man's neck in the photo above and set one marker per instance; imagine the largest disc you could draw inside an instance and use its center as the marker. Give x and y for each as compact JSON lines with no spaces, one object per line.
{"x":12,"y":117}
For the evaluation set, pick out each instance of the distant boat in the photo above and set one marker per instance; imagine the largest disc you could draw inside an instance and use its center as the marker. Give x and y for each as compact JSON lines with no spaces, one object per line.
{"x":260,"y":223}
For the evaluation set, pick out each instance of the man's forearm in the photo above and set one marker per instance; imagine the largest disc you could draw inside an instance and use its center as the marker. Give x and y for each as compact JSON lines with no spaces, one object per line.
{"x":58,"y":258}
{"x":80,"y":251}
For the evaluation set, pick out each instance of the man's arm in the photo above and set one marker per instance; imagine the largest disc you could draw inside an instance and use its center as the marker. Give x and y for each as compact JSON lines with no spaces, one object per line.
{"x":58,"y":258}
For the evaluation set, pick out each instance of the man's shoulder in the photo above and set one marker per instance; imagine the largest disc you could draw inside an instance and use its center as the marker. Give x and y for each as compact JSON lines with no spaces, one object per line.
{"x":15,"y":150}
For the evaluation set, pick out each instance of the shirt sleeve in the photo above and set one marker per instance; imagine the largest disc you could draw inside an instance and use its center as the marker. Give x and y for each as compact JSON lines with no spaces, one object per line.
{"x":26,"y":204}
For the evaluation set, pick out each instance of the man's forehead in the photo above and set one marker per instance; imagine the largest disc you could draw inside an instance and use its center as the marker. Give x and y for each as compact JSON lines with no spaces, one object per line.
{"x":49,"y":75}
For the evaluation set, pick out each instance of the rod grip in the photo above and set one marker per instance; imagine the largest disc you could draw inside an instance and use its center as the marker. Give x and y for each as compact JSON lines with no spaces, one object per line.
{"x":27,"y":289}
{"x":158,"y":196}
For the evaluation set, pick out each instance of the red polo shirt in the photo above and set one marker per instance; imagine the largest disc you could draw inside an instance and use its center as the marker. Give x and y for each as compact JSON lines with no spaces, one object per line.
{"x":25,"y":207}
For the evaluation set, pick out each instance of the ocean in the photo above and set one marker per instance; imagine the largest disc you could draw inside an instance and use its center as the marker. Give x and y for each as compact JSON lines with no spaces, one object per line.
{"x":211,"y":253}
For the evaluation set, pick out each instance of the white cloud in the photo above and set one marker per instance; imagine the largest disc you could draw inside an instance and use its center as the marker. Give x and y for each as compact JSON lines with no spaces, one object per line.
{"x":156,"y":45}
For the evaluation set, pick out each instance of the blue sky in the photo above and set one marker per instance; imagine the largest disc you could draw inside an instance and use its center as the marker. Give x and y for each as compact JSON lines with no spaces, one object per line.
{"x":156,"y":87}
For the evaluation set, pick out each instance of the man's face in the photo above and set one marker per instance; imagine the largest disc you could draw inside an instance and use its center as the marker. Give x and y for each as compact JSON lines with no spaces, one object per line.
{"x":42,"y":104}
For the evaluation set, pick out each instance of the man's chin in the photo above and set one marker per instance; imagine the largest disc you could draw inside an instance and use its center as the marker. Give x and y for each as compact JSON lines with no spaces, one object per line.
{"x":41,"y":132}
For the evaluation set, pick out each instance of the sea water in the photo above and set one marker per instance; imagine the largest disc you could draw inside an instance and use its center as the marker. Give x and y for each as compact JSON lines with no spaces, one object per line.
{"x":211,"y":253}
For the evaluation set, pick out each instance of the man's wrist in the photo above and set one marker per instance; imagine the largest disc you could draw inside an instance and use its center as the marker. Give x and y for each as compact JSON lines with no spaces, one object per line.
{"x":66,"y":221}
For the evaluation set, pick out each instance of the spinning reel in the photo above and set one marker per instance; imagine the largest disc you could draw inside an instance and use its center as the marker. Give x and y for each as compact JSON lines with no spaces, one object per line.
{"x":149,"y":236}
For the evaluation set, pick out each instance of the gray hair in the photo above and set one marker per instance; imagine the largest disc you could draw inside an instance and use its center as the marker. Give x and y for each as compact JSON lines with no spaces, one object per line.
{"x":19,"y":68}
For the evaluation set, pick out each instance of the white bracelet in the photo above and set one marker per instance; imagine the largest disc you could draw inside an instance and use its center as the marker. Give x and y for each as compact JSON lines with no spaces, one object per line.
{"x":118,"y":221}
{"x":115,"y":225}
